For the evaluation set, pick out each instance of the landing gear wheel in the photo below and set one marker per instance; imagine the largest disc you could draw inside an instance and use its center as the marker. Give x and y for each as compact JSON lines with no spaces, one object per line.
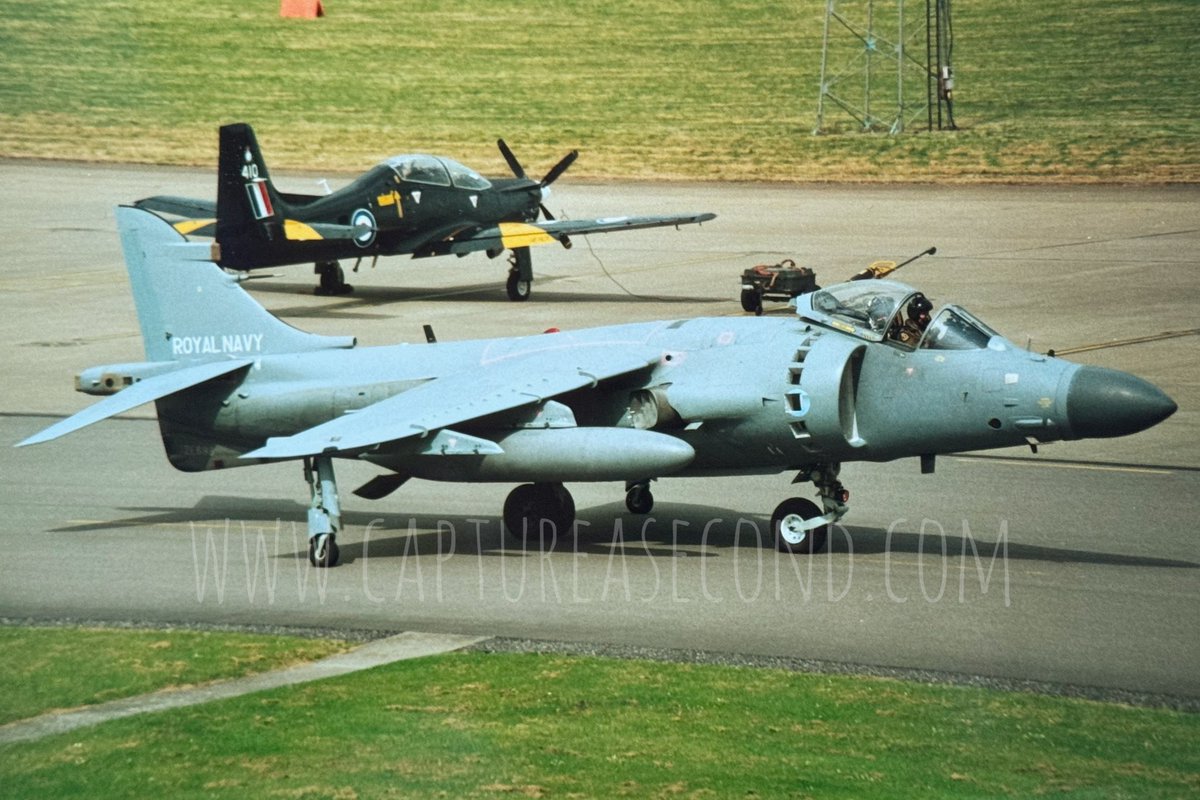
{"x":323,"y":551}
{"x":517,"y":289}
{"x":520,"y":274}
{"x":639,"y":499}
{"x":537,"y":513}
{"x":786,"y":524}
{"x":752,"y":302}
{"x":332,"y":279}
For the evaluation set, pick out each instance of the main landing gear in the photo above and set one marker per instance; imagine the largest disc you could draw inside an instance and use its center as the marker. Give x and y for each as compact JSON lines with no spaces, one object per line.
{"x":520,"y":275}
{"x":324,"y":512}
{"x":798,"y":524}
{"x":537,"y":513}
{"x":332,"y":279}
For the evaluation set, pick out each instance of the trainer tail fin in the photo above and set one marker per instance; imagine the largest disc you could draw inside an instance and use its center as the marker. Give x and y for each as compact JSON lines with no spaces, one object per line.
{"x":250,"y":212}
{"x":189,"y":309}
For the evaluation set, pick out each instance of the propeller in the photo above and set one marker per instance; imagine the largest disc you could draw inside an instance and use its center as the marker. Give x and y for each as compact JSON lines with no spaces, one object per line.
{"x":554,"y":174}
{"x":513,"y":164}
{"x":558,"y":169}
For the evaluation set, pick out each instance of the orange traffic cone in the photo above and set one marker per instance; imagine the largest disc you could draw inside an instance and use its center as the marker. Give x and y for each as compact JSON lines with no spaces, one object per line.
{"x":301,"y":9}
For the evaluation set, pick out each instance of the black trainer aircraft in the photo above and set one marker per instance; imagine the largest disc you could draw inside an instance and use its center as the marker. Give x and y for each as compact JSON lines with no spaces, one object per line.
{"x":415,"y":204}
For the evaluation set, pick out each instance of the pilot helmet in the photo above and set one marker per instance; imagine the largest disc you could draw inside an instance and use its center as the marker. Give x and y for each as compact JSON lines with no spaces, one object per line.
{"x":919,"y":307}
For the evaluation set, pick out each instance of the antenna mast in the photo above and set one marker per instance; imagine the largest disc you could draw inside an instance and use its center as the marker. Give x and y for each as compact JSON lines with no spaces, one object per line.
{"x":871,"y":66}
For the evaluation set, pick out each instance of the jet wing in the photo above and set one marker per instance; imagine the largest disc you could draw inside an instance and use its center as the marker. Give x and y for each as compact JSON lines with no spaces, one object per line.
{"x":507,"y":235}
{"x":143,"y":391}
{"x":490,"y":388}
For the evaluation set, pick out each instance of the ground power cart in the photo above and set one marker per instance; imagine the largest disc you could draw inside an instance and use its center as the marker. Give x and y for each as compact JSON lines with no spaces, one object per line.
{"x":781,"y":281}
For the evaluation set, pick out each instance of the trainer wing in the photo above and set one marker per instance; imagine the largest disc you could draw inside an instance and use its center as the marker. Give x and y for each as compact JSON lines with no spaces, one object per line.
{"x":508,"y":235}
{"x":490,"y":388}
{"x":199,"y":216}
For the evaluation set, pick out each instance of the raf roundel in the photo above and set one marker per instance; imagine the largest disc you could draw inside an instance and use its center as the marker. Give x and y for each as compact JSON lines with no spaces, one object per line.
{"x":364,"y":219}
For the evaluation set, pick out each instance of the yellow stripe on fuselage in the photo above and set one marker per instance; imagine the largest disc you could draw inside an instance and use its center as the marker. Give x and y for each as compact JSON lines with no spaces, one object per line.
{"x":519,"y":234}
{"x":299,"y":232}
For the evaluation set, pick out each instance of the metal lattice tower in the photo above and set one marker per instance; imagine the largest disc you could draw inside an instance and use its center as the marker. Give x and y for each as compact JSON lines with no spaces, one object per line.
{"x":883,"y":78}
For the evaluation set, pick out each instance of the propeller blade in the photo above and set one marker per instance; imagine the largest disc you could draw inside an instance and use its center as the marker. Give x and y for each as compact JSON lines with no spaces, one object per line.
{"x":566,"y":240}
{"x":513,"y":164}
{"x":558,"y":169}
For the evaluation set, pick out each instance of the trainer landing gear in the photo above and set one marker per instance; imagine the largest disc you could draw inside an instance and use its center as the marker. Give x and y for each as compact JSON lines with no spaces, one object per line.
{"x":520,"y":275}
{"x":798,"y":524}
{"x":324,"y":512}
{"x":536,"y":513}
{"x":332,"y":279}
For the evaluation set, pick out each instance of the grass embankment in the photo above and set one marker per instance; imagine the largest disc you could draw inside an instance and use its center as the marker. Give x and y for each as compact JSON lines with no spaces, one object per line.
{"x":1079,"y":90}
{"x":43,"y":669}
{"x":477,"y":725}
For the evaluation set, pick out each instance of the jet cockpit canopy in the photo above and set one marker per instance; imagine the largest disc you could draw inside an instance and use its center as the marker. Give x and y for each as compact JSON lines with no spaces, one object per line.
{"x":879,"y":310}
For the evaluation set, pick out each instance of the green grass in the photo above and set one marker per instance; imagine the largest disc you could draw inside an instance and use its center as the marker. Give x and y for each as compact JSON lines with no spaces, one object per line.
{"x":43,"y":669}
{"x":479,"y":725}
{"x":1082,"y":90}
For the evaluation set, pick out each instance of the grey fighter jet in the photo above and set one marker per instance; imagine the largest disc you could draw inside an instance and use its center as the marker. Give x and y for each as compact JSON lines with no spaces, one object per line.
{"x":863,"y":371}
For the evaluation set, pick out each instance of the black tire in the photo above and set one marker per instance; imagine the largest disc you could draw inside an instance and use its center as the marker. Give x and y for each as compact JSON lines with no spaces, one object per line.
{"x":518,"y":290}
{"x":332,"y":280}
{"x":538,"y":513}
{"x":788,"y":539}
{"x":326,"y":555}
{"x":751,"y":302}
{"x":639,"y":500}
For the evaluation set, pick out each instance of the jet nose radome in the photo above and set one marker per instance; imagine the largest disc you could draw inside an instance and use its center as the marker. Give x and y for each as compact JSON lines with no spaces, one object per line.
{"x":1102,"y":403}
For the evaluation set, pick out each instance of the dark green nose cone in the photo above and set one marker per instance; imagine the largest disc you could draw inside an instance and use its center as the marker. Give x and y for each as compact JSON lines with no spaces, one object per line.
{"x":1102,"y":403}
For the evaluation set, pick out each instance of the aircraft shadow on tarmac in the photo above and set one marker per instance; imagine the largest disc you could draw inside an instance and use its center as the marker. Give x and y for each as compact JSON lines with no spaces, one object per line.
{"x":672,"y":529}
{"x":477,"y":293}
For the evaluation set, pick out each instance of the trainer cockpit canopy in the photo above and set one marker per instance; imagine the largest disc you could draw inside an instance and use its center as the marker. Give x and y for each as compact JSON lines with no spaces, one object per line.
{"x":437,"y":171}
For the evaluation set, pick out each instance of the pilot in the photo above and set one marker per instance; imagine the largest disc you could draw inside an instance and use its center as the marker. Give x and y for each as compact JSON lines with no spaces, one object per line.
{"x":914,"y":326}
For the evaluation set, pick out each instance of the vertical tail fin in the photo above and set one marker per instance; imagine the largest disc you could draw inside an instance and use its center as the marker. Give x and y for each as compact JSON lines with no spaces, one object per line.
{"x":189,"y":310}
{"x":250,"y":212}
